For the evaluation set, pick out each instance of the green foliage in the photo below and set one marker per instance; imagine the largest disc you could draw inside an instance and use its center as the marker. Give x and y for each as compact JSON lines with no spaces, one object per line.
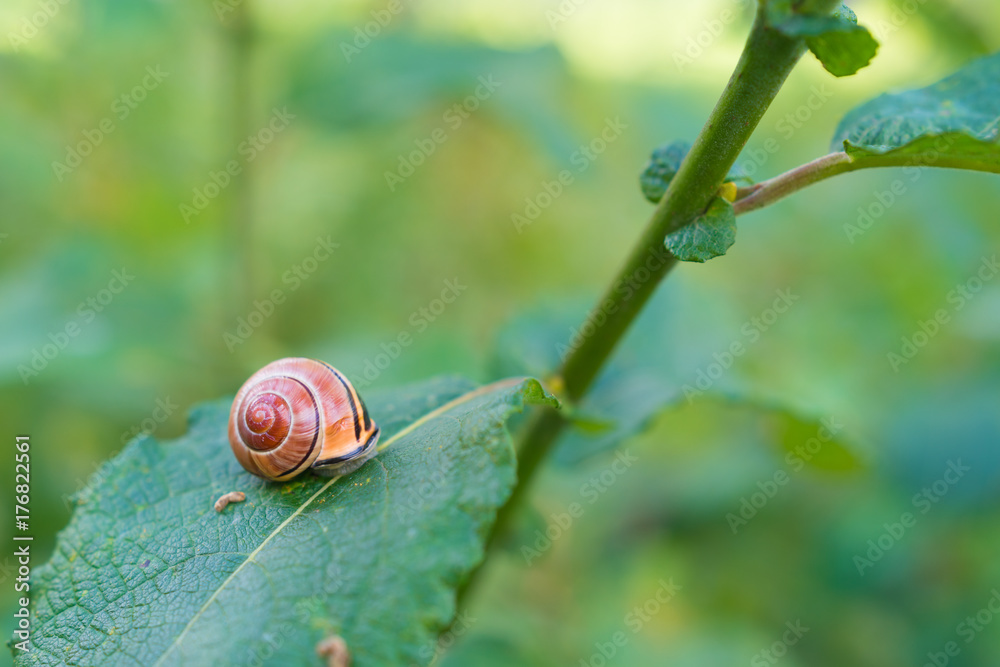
{"x":664,"y":163}
{"x":161,"y":340}
{"x":845,"y":49}
{"x":642,"y":383}
{"x":798,"y":21}
{"x":446,"y":70}
{"x":837,"y":41}
{"x":710,"y":235}
{"x":818,"y":442}
{"x":148,"y":569}
{"x":955,"y":119}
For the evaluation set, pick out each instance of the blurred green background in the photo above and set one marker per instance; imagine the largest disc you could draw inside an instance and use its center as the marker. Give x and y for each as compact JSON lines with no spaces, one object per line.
{"x":141,"y":358}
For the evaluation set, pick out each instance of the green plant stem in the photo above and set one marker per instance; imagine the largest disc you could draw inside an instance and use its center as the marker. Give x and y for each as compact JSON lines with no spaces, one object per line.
{"x":768,"y":57}
{"x":767,"y":192}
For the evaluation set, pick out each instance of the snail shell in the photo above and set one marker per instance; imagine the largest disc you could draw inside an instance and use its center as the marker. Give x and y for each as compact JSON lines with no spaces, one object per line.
{"x":295,"y":414}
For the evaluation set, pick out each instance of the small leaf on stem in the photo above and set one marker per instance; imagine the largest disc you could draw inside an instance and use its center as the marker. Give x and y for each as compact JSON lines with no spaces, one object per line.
{"x":710,"y":235}
{"x":837,"y":41}
{"x":663,"y":165}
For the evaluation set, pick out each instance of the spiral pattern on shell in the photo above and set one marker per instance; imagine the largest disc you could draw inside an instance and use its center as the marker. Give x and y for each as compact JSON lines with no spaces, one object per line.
{"x":296,"y":414}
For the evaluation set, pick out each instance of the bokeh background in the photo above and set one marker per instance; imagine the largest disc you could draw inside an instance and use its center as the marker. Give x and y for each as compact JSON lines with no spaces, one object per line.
{"x":564,"y":71}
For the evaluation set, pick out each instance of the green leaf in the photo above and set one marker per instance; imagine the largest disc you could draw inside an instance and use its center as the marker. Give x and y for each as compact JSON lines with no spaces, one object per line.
{"x":799,"y":21}
{"x":806,"y":440}
{"x":634,"y":386}
{"x":710,"y":235}
{"x":664,"y":366}
{"x":845,"y":49}
{"x":952,"y":122}
{"x":664,"y":163}
{"x":837,"y":41}
{"x":148,"y":573}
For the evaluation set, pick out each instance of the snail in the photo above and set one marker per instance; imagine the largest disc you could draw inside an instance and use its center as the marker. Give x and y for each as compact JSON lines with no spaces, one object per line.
{"x":297,"y":414}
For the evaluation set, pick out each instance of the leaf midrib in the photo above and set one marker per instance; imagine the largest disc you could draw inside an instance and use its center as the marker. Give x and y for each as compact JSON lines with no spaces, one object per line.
{"x":468,"y":396}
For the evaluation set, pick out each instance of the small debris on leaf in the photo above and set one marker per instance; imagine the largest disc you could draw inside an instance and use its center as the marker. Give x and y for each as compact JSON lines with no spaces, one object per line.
{"x":231,"y":497}
{"x":334,"y":649}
